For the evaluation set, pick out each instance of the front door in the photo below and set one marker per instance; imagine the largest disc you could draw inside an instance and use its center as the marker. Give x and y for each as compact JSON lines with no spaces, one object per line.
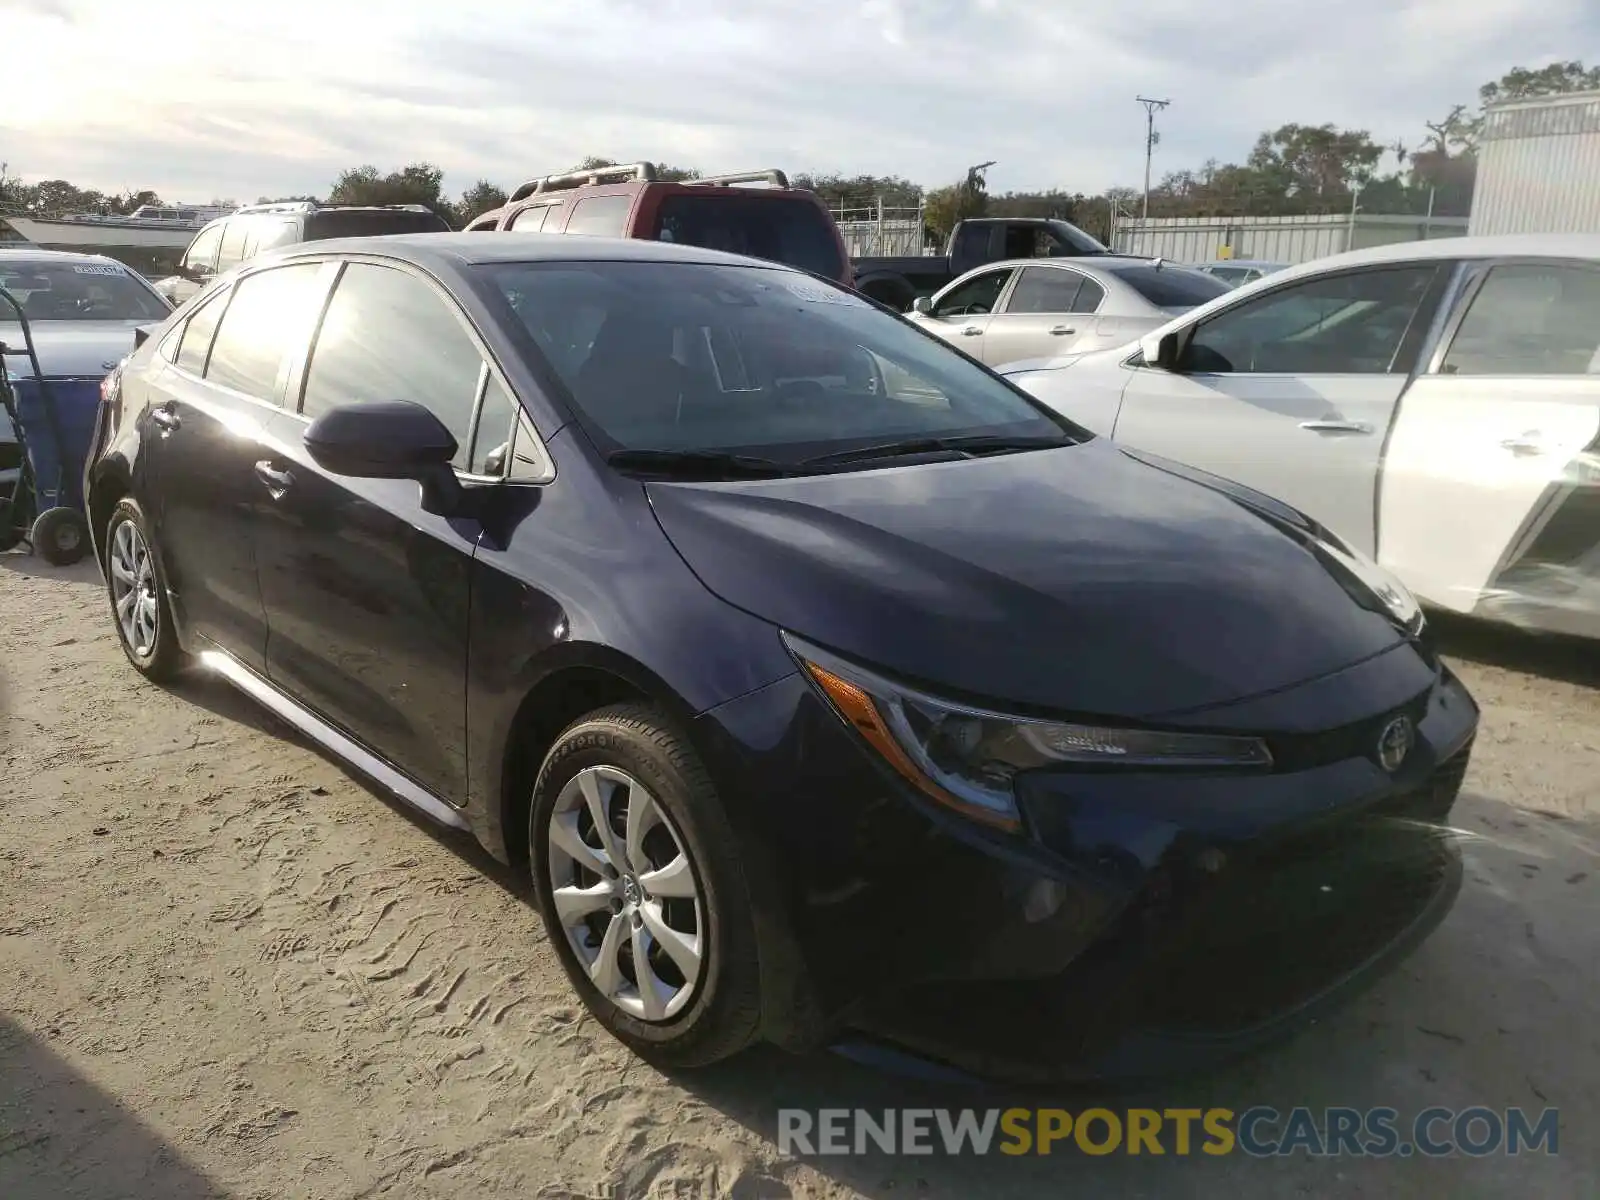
{"x":365,"y":593}
{"x":1490,"y":499}
{"x":962,"y":312}
{"x":205,"y":424}
{"x":1292,"y":392}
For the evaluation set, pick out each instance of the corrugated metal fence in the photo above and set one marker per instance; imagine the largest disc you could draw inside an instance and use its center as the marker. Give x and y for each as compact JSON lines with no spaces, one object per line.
{"x":1539,"y":167}
{"x":1274,"y":239}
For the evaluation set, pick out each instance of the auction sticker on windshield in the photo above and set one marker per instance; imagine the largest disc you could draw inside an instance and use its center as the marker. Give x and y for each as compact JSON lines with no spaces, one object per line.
{"x":98,"y":270}
{"x":817,"y":294}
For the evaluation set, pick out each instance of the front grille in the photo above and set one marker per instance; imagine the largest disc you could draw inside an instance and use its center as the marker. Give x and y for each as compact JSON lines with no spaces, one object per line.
{"x":1359,"y":739}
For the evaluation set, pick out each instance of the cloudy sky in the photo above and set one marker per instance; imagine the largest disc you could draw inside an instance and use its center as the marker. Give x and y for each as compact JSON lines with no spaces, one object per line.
{"x":201,"y":99}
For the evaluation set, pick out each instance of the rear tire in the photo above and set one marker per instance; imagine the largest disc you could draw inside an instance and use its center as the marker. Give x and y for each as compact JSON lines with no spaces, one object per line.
{"x":679,"y":896}
{"x":137,"y":590}
{"x":60,"y":536}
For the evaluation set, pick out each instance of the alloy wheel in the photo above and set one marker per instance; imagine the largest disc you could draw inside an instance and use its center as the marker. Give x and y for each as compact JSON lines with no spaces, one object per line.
{"x":626,"y":893}
{"x":133,"y":589}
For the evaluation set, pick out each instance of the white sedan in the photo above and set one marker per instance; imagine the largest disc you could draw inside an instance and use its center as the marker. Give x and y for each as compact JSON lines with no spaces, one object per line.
{"x":1027,"y":308}
{"x":1436,"y":404}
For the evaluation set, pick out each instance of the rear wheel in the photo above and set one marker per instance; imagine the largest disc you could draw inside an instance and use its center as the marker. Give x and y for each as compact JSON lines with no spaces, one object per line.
{"x":639,"y":883}
{"x":138,"y":596}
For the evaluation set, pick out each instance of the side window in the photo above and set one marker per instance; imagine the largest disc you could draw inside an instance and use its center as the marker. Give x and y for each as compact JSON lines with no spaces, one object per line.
{"x":484,"y":224}
{"x":1027,"y":241}
{"x":273,"y":234}
{"x":530,"y":220}
{"x":270,"y":312}
{"x":1530,"y":319}
{"x":975,"y":297}
{"x":600,"y":216}
{"x":198,"y":332}
{"x":1045,"y":290}
{"x":1336,"y":325}
{"x":387,"y":335}
{"x":972,"y":242}
{"x":1088,"y":298}
{"x":234,"y":235}
{"x":497,"y":421}
{"x":201,"y":257}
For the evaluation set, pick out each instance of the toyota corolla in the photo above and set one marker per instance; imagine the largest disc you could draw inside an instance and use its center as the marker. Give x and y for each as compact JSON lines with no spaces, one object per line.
{"x":826,"y":686}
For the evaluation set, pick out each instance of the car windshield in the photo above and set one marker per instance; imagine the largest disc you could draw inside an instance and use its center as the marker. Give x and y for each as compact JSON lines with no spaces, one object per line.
{"x":68,"y":290}
{"x":706,"y":357}
{"x":781,"y":229}
{"x":1168,"y":286}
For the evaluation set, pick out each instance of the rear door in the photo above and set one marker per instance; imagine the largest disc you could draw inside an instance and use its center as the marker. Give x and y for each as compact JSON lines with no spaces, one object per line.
{"x":1050,"y":310}
{"x":1292,"y":391}
{"x":961,"y":314}
{"x":365,"y":593}
{"x":1490,"y":497}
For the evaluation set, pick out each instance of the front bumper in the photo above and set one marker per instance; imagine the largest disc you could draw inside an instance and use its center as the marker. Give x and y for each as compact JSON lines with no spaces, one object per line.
{"x":1147,"y":924}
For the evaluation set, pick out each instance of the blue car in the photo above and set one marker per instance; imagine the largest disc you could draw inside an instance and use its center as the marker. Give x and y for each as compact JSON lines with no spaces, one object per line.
{"x":828,"y":689}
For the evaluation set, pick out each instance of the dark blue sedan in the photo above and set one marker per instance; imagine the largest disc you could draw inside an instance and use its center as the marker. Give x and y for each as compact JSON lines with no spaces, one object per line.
{"x":828,"y":688}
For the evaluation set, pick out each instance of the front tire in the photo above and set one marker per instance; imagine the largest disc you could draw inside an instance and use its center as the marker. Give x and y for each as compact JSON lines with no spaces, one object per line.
{"x":138,"y":593}
{"x":634,"y":863}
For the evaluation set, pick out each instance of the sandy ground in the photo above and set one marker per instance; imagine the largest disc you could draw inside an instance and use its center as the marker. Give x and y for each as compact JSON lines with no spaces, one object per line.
{"x":227,"y":968}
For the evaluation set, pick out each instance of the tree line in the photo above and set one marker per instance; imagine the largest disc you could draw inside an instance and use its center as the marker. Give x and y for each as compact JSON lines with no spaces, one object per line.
{"x":1294,"y":169}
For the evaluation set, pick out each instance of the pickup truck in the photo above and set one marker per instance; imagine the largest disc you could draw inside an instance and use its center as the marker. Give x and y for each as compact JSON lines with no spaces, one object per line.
{"x":898,"y":282}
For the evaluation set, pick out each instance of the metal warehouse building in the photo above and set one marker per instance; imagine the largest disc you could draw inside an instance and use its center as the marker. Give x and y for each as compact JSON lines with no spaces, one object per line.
{"x":1539,"y":167}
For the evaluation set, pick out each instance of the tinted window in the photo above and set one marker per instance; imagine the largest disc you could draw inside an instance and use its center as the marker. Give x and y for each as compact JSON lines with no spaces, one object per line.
{"x":1530,"y":319}
{"x":530,"y":220}
{"x":370,"y":222}
{"x":82,"y":290}
{"x":387,"y":335}
{"x":600,"y":216}
{"x":712,"y":357}
{"x":975,"y":297}
{"x":270,"y":311}
{"x":782,"y":229}
{"x":971,"y":241}
{"x":496,"y":420}
{"x":1044,"y":290}
{"x":1089,"y":297}
{"x":1173,"y":287}
{"x":234,"y":235}
{"x":197,"y":333}
{"x":1336,"y":325}
{"x":484,"y":224}
{"x":202,"y":252}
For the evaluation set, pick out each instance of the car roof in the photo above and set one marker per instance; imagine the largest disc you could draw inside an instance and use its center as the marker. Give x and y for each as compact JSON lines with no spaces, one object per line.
{"x":20,"y":253}
{"x":1246,"y":263}
{"x":471,"y":249}
{"x":1510,"y":245}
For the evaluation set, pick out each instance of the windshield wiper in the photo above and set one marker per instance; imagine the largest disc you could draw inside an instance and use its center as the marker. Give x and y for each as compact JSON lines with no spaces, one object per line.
{"x":699,"y":462}
{"x":974,"y":444}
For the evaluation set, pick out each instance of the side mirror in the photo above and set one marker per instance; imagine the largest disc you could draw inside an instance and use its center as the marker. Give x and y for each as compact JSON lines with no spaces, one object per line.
{"x":923,"y":305}
{"x":1161,"y":352}
{"x":390,"y":439}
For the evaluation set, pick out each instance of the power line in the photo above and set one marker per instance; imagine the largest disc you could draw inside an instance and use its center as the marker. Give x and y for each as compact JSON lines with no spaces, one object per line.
{"x":1151,"y":137}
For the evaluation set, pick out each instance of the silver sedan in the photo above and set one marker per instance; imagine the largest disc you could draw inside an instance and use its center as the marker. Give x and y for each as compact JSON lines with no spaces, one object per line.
{"x":1007,"y":312}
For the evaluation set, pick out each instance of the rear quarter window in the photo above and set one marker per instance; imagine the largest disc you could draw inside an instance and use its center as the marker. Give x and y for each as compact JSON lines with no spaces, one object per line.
{"x":785,"y":229}
{"x":600,"y":216}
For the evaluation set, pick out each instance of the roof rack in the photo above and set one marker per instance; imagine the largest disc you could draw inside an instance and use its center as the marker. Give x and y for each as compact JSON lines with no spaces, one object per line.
{"x":643,"y":172}
{"x":772,"y":175}
{"x":275,"y":206}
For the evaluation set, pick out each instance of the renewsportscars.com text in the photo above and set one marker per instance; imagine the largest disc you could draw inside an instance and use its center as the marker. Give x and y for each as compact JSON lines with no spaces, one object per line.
{"x":1259,"y":1132}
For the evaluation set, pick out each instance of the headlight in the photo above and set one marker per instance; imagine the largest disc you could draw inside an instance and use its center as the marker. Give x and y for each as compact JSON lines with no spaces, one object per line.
{"x":1382,"y":583}
{"x":967,"y":758}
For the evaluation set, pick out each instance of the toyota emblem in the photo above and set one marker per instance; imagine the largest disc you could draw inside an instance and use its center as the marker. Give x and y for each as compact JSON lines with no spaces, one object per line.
{"x":1395,"y":742}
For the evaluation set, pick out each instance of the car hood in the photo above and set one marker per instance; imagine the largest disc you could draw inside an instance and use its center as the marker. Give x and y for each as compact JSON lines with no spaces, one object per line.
{"x":1078,"y":580}
{"x":71,"y":347}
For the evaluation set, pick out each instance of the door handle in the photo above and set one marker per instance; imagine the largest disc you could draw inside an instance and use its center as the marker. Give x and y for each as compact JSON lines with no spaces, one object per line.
{"x":166,"y":417}
{"x":1528,"y":443}
{"x":278,"y":482}
{"x":1336,"y":426}
{"x":1061,"y":330}
{"x":971,"y":331}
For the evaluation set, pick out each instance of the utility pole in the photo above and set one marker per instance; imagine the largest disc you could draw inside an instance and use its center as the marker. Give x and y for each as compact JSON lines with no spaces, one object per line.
{"x":1151,"y":137}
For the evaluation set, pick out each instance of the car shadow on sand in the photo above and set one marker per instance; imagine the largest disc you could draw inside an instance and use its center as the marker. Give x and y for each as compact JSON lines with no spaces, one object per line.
{"x":63,"y":1138}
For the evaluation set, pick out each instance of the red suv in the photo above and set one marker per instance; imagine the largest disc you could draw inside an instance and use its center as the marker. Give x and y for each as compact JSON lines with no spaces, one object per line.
{"x":776,"y":222}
